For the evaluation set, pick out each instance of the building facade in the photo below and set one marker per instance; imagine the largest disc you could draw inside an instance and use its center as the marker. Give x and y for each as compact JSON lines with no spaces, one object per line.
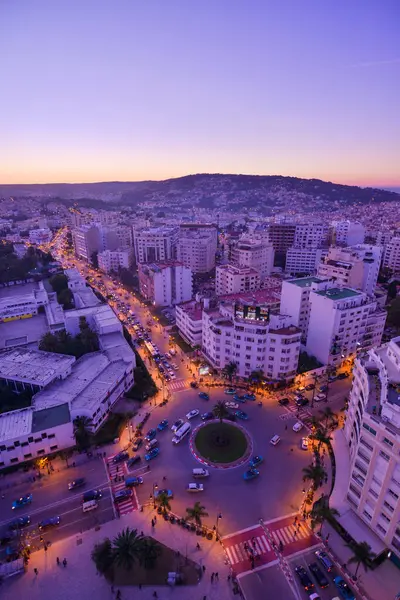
{"x":302,"y":261}
{"x":356,"y":267}
{"x":254,"y":253}
{"x":347,"y":233}
{"x":196,"y":249}
{"x":113,"y":260}
{"x":165,"y":284}
{"x":230,"y":279}
{"x":391,"y":258}
{"x":155,"y":244}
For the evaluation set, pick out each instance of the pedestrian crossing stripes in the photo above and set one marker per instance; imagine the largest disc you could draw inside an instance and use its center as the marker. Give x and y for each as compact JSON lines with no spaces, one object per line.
{"x":179,"y":384}
{"x":115,"y":471}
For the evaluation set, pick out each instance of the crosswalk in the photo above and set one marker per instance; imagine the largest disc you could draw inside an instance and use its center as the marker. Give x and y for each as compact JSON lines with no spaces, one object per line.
{"x":115,"y":471}
{"x":178,"y":384}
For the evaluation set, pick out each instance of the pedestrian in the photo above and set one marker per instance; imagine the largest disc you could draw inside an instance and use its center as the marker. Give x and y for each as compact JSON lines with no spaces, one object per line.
{"x":155,"y":595}
{"x":228,"y":578}
{"x":198,"y":546}
{"x":118,"y":596}
{"x":204,"y":568}
{"x":142,"y":534}
{"x":155,"y":519}
{"x":295,"y":520}
{"x":212,"y":577}
{"x":152,"y":522}
{"x":216,"y":576}
{"x":35,"y":571}
{"x":58,"y":561}
{"x":65,"y":562}
{"x":285,"y":427}
{"x":45,"y":547}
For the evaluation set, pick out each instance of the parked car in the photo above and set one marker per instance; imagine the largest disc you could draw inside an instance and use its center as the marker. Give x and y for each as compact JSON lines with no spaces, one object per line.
{"x":319,"y":575}
{"x":283,"y":401}
{"x":304,"y":443}
{"x":344,"y":590}
{"x":133,"y":481}
{"x":120,"y":457}
{"x":302,"y":401}
{"x":19,"y":523}
{"x":297,"y":426}
{"x":177,"y":425}
{"x":137,"y":443}
{"x":76,"y":483}
{"x":48,"y":523}
{"x":151,"y":434}
{"x":324,"y":558}
{"x":320,"y":398}
{"x":229,"y":404}
{"x":152,"y":454}
{"x":207,"y":416}
{"x":343,"y":375}
{"x":122,"y":495}
{"x":304,"y":578}
{"x":194,"y":384}
{"x":92,"y":495}
{"x":23,"y":501}
{"x":192,"y":414}
{"x":250,"y":396}
{"x":168,"y":493}
{"x":240,"y":414}
{"x":195,"y":487}
{"x":230,"y":391}
{"x":163,"y":425}
{"x":256,"y":460}
{"x":323,"y":388}
{"x":251,"y":474}
{"x":204,"y":396}
{"x":310,"y":387}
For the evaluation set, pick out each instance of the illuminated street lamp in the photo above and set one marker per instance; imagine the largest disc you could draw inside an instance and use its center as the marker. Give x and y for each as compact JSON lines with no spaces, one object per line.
{"x":155,"y":487}
{"x":219,"y":516}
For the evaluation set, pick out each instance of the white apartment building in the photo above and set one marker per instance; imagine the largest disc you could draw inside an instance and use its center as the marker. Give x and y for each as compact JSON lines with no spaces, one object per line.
{"x":165,"y":284}
{"x":40,"y":236}
{"x":196,"y":250}
{"x":341,"y":321}
{"x":302,"y":261}
{"x":87,"y":239}
{"x":116,"y":236}
{"x":113,"y":260}
{"x":230,"y":279}
{"x":155,"y":244}
{"x":372,"y":431}
{"x":311,"y":235}
{"x":254,"y":253}
{"x":348,"y":233}
{"x":391,"y":259}
{"x":189,"y":321}
{"x":252,"y":338}
{"x":355,"y":267}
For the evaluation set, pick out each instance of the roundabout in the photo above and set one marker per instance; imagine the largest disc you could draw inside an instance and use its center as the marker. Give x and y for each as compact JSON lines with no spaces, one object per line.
{"x":221,"y":444}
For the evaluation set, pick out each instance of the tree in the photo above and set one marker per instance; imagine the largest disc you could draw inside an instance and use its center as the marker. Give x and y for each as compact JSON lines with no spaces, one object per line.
{"x":393,"y":317}
{"x":82,"y":431}
{"x":329,"y":416}
{"x":257,"y":377}
{"x":163,"y":502}
{"x":126,"y":548}
{"x":65,"y":298}
{"x":321,"y":436}
{"x":149,"y":553}
{"x":102,"y":556}
{"x":48,"y":343}
{"x":362,"y":555}
{"x":321,"y":513}
{"x":220,"y":411}
{"x":230,"y":370}
{"x":59,"y":282}
{"x":314,"y":473}
{"x":196,"y":513}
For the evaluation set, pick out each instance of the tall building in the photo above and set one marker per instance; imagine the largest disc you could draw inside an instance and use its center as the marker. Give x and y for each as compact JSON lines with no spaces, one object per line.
{"x":254,"y":253}
{"x":356,"y":267}
{"x":348,"y":233}
{"x":165,"y":284}
{"x":230,"y":279}
{"x":87,"y":239}
{"x":303,"y":261}
{"x":281,"y":235}
{"x":113,"y":260}
{"x":391,"y":258}
{"x":189,"y":320}
{"x":197,"y":246}
{"x":155,"y":244}
{"x":311,"y":235}
{"x":372,"y":431}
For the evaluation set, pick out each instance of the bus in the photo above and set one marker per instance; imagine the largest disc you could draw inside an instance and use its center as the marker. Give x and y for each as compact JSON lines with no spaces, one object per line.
{"x":181,"y":433}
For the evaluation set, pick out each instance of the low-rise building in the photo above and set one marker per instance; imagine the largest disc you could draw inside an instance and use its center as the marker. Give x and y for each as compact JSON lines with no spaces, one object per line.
{"x":230,"y":279}
{"x":113,"y":260}
{"x":40,"y":236}
{"x":165,"y":284}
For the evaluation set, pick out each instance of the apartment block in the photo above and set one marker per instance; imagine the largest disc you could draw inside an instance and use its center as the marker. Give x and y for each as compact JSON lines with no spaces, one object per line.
{"x":295,"y":300}
{"x":165,"y":284}
{"x":347,"y":233}
{"x":113,"y":260}
{"x":230,"y":279}
{"x":302,"y":261}
{"x":392,"y":255}
{"x":254,"y":253}
{"x":356,"y":267}
{"x":87,"y":239}
{"x":196,"y":248}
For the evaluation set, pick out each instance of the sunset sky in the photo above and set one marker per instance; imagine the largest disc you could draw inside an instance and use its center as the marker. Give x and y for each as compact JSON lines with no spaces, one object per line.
{"x":95,"y":90}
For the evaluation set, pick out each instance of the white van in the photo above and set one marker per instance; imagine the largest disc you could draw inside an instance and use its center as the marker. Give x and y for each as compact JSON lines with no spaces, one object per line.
{"x":152,"y":444}
{"x":181,"y":433}
{"x":275,"y":440}
{"x":200,"y":473}
{"x":297,"y":426}
{"x":88,"y":506}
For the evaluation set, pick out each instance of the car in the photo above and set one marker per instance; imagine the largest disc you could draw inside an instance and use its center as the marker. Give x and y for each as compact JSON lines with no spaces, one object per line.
{"x":150,"y":435}
{"x":48,"y":523}
{"x":320,"y":397}
{"x":137,"y":443}
{"x":23,"y":501}
{"x":344,"y":590}
{"x":249,"y":396}
{"x":163,"y":425}
{"x":168,"y":493}
{"x":120,"y":457}
{"x":230,"y":404}
{"x":332,"y":378}
{"x":283,"y":401}
{"x":323,"y":388}
{"x":230,"y":391}
{"x":250,"y":474}
{"x":92,"y":495}
{"x":240,"y":414}
{"x":204,"y":396}
{"x":195,"y":487}
{"x":192,"y":414}
{"x":152,"y":454}
{"x":207,"y":416}
{"x":122,"y":495}
{"x":19,"y":523}
{"x":343,"y":375}
{"x":324,"y":558}
{"x":257,"y":459}
{"x":319,"y":575}
{"x":310,"y":387}
{"x":302,"y":401}
{"x":239,"y":398}
{"x":177,"y":425}
{"x":133,"y":481}
{"x":297,"y":426}
{"x":304,"y":578}
{"x":194,"y":384}
{"x":304,"y":443}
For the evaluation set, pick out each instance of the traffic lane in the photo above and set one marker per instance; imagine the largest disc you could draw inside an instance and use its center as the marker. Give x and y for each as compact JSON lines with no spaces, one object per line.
{"x":304,"y":560}
{"x":54,"y":488}
{"x":73,"y":521}
{"x":269,"y":582}
{"x":269,"y":496}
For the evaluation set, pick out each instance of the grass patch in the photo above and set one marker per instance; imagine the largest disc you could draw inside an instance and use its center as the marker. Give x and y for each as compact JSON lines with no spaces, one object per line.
{"x":111,"y":429}
{"x":221,"y":442}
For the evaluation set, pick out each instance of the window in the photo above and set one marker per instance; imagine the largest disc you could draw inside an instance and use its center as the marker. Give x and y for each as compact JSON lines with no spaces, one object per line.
{"x":388,"y":506}
{"x":14,"y":460}
{"x":373,"y":493}
{"x":384,"y":455}
{"x":385,"y":518}
{"x":40,"y":451}
{"x":366,"y":514}
{"x":29,"y":455}
{"x":393,"y":494}
{"x":368,"y":428}
{"x":388,"y":442}
{"x":53,"y":447}
{"x":381,"y":529}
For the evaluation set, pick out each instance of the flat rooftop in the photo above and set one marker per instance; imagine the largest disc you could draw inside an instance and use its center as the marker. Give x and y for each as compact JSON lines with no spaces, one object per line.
{"x":305,"y":281}
{"x":15,"y":424}
{"x":339,"y":293}
{"x":25,"y":364}
{"x":50,"y":417}
{"x":265,"y":296}
{"x":23,"y":289}
{"x":23,"y":332}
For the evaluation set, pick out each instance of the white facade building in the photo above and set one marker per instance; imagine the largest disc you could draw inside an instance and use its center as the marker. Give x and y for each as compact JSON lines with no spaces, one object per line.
{"x":254,"y":253}
{"x":113,"y":260}
{"x":87,"y":239}
{"x":40,"y":236}
{"x":155,"y":244}
{"x":311,"y":235}
{"x":302,"y":260}
{"x":348,"y":233}
{"x":165,"y":284}
{"x":189,"y":321}
{"x":230,"y":279}
{"x":372,"y":431}
{"x":196,"y":249}
{"x":392,"y":255}
{"x":355,"y":267}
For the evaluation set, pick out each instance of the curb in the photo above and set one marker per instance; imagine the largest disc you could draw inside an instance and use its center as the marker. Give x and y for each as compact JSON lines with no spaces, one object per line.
{"x":225,"y":466}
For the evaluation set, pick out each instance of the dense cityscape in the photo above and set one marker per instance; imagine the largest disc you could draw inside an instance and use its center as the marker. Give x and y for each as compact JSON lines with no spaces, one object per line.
{"x":200,"y":300}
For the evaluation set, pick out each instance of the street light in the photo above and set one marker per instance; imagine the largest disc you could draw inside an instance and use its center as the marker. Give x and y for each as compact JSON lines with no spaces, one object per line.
{"x":219,"y":516}
{"x":155,"y":487}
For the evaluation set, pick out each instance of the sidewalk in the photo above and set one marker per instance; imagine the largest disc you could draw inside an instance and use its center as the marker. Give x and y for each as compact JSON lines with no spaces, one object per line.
{"x":79,"y":579}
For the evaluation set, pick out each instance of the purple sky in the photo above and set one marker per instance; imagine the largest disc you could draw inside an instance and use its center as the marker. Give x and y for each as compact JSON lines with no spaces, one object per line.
{"x":96,"y":90}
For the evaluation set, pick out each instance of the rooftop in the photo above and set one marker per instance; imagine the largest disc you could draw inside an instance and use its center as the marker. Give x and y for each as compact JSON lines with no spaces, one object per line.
{"x":50,"y":417}
{"x":265,"y":296}
{"x":22,"y":289}
{"x":24,"y":364}
{"x":15,"y":424}
{"x":339,"y":293}
{"x":22,"y":332}
{"x":305,"y":281}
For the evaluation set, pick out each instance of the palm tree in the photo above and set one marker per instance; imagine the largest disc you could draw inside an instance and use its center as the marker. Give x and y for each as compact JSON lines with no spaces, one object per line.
{"x":126,"y":548}
{"x":316,"y":379}
{"x":163,"y":501}
{"x":314,"y":473}
{"x":321,"y":436}
{"x":321,"y":513}
{"x":82,"y":431}
{"x":230,"y":370}
{"x":149,"y":553}
{"x":220,"y":411}
{"x":256,"y":377}
{"x":328,"y":415}
{"x":362,"y":554}
{"x":196,"y":513}
{"x":102,"y":556}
